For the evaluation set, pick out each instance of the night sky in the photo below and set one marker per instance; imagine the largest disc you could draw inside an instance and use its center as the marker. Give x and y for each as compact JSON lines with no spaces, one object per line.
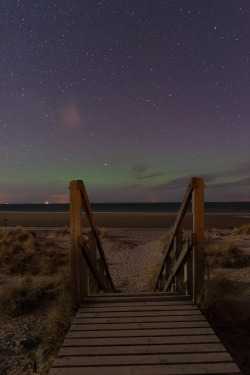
{"x":132,"y":96}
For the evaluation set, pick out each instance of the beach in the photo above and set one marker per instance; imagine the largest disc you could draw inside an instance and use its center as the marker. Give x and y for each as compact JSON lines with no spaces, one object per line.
{"x":120,"y":220}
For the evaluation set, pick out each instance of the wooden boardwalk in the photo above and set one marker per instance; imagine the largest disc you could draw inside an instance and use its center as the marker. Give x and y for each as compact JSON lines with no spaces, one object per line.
{"x":149,"y":334}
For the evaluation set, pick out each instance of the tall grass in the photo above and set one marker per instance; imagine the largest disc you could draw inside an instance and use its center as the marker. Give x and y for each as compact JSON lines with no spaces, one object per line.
{"x":22,"y":253}
{"x":244,"y":229}
{"x":25,"y":295}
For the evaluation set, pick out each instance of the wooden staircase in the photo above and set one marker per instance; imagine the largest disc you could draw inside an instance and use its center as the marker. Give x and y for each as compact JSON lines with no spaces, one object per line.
{"x":158,"y":333}
{"x":143,"y":333}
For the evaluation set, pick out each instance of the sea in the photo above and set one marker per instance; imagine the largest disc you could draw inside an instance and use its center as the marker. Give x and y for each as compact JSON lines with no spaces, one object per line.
{"x":173,"y":207}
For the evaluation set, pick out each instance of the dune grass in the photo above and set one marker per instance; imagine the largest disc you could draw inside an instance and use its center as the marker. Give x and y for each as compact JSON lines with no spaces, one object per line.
{"x":25,"y":295}
{"x":244,"y":229}
{"x":22,"y":253}
{"x":40,"y":275}
{"x":60,"y":231}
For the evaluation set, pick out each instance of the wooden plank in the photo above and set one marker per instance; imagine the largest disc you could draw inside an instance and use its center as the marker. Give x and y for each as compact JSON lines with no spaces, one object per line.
{"x":138,"y":295}
{"x":145,"y":332}
{"x":90,"y":262}
{"x":198,"y":230}
{"x":154,"y":340}
{"x":93,"y":284}
{"x":79,"y":270}
{"x":136,"y":349}
{"x":138,"y":308}
{"x":186,"y":369}
{"x":178,"y":222}
{"x":140,"y":313}
{"x":181,"y":260}
{"x":126,"y":303}
{"x":143,"y":359}
{"x":148,"y":319}
{"x":117,"y":299}
{"x":137,"y":326}
{"x":90,"y":216}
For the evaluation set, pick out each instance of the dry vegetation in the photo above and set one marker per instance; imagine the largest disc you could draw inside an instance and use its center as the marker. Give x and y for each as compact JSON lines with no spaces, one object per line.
{"x":34,"y":279}
{"x":225,"y":300}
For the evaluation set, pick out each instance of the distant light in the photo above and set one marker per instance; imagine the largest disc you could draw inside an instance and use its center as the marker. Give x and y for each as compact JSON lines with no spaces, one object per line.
{"x":46,"y":202}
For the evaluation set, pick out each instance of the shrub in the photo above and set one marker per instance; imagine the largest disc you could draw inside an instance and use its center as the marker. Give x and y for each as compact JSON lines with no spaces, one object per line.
{"x":23,"y":296}
{"x":60,"y":231}
{"x":20,"y":252}
{"x":229,"y":256}
{"x":244,"y":229}
{"x":214,"y":289}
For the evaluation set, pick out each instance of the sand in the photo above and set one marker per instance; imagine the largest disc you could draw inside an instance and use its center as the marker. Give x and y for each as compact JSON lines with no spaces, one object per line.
{"x":119,"y":220}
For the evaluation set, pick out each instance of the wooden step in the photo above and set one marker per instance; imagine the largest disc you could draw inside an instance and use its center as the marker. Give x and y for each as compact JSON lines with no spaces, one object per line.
{"x":146,"y":333}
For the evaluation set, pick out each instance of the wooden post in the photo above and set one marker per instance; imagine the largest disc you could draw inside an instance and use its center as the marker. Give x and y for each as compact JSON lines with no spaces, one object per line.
{"x":79,"y":268}
{"x":198,"y":231}
{"x":92,"y":248}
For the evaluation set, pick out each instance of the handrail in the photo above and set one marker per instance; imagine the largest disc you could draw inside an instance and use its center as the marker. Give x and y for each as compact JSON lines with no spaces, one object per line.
{"x":182,"y":211}
{"x":83,"y":257}
{"x":90,"y":216}
{"x":191,"y":257}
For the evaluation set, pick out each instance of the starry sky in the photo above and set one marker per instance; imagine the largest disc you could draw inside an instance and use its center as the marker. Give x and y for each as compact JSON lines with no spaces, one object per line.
{"x":133,"y":97}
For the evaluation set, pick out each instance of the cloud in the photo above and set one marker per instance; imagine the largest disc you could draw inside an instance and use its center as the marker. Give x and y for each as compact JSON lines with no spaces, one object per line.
{"x":70,"y":116}
{"x":140,"y":172}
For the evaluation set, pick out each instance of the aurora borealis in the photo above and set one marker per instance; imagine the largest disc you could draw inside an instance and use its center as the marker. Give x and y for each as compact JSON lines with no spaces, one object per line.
{"x":132,"y":96}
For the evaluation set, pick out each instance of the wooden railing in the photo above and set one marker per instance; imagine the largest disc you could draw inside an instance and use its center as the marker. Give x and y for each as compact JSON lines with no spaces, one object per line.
{"x":89,"y":272}
{"x":182,"y":268}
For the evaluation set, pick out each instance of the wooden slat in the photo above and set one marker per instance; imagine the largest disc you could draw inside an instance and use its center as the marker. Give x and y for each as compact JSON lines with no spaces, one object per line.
{"x":145,"y":301}
{"x":156,"y":340}
{"x":187,"y":369}
{"x":148,"y":319}
{"x":139,"y":313}
{"x":137,"y":349}
{"x":90,"y":262}
{"x":139,"y":308}
{"x":90,"y":216}
{"x":143,"y":359}
{"x":181,"y":260}
{"x":141,"y":338}
{"x":126,"y":303}
{"x":145,"y":332}
{"x":137,"y":326}
{"x":178,"y":222}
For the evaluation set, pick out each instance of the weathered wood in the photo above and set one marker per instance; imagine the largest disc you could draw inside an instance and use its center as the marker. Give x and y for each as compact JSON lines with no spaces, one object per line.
{"x":79,"y":270}
{"x":140,"y":307}
{"x":181,"y":260}
{"x":143,"y":349}
{"x":136,"y":326}
{"x":142,"y":341}
{"x":147,"y":313}
{"x":90,"y":262}
{"x":92,"y":248}
{"x":178,"y":222}
{"x":94,"y":228}
{"x":188,"y":274}
{"x":173,"y":299}
{"x":177,"y":251}
{"x":198,"y":230}
{"x":101,"y":268}
{"x":144,"y":359}
{"x":143,"y":332}
{"x":163,"y":369}
{"x":141,"y":319}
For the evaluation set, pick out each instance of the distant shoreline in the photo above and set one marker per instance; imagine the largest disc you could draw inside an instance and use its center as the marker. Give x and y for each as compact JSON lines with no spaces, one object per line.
{"x":142,"y":220}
